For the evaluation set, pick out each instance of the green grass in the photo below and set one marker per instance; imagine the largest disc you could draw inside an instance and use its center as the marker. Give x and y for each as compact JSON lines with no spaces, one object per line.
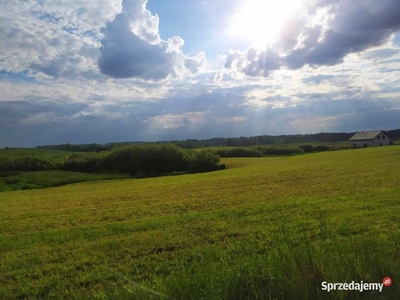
{"x":265,"y":228}
{"x":12,"y":181}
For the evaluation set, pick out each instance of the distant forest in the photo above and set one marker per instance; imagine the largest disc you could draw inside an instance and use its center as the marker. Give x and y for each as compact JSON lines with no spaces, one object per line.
{"x":232,"y":142}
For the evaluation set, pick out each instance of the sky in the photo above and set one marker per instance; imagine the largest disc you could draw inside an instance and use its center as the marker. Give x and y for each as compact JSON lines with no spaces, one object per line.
{"x":99,"y":71}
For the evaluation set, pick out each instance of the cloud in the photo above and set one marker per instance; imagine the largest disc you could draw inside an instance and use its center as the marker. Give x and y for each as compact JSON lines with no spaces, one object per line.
{"x":64,"y":65}
{"x":324,"y":34}
{"x":97,"y":71}
{"x":318,"y":79}
{"x":53,"y":39}
{"x":185,"y":124}
{"x":132,"y":47}
{"x":204,"y":112}
{"x":254,"y":62}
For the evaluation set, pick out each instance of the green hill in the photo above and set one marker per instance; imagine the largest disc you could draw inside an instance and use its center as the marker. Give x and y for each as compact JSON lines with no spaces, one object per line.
{"x":265,"y":228}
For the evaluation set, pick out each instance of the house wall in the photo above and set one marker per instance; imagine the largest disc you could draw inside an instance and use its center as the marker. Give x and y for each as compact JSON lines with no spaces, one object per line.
{"x":377,"y":141}
{"x":381,"y":139}
{"x":362,"y":144}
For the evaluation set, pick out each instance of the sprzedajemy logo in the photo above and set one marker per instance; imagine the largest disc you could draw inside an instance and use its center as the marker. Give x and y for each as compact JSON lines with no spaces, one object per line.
{"x":356,"y":286}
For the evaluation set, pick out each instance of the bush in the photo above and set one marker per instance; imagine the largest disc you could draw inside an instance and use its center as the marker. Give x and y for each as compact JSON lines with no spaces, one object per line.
{"x":151,"y":160}
{"x":307,"y":148}
{"x":240,"y":152}
{"x":86,"y":163}
{"x":138,"y":160}
{"x":147,"y":159}
{"x":222,"y":152}
{"x":206,"y":160}
{"x":321,"y":148}
{"x":283,"y":151}
{"x":25,"y":163}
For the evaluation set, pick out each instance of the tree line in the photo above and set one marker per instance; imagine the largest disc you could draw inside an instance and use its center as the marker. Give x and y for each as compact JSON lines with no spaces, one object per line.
{"x":139,"y":160}
{"x":259,"y":151}
{"x":230,"y":142}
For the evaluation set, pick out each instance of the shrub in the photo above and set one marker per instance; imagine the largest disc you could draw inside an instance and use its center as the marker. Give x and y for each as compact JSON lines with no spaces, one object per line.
{"x":240,"y":152}
{"x":244,"y":152}
{"x":150,"y":160}
{"x":86,"y":163}
{"x":25,"y":163}
{"x":321,"y":148}
{"x":283,"y":151}
{"x":222,"y":152}
{"x":307,"y":148}
{"x":206,"y":160}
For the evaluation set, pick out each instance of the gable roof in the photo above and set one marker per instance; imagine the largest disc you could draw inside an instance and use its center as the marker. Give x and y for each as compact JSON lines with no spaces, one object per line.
{"x":365,"y":135}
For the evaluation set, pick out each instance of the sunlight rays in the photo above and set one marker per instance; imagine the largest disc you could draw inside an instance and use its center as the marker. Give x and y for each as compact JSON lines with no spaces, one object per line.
{"x":259,"y":21}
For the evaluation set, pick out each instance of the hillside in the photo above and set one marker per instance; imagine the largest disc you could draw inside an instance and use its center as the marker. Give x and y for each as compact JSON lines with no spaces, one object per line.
{"x":265,"y":228}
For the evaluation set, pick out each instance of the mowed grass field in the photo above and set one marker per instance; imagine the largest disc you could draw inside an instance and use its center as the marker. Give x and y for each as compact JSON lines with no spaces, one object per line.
{"x":265,"y":228}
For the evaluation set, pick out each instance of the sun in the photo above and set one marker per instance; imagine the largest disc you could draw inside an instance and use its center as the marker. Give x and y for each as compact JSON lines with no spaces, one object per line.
{"x":259,"y":21}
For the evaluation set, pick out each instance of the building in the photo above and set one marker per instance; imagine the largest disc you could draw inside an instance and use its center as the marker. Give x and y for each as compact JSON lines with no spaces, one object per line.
{"x":364,"y":139}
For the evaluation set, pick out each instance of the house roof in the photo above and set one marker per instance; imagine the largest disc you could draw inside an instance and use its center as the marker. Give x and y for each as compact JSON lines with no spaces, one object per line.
{"x":365,"y":135}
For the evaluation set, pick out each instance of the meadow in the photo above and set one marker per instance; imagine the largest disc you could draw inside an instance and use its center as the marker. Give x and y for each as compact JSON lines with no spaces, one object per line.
{"x":19,"y":180}
{"x":264,"y":228}
{"x":23,"y":169}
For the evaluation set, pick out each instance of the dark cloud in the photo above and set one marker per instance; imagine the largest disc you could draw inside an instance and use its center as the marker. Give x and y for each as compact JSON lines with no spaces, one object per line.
{"x":185,"y":124}
{"x":62,"y":66}
{"x":125,"y":55}
{"x":354,"y":27}
{"x":17,"y":111}
{"x":34,"y":123}
{"x":132,"y":47}
{"x":289,"y":33}
{"x":220,"y":112}
{"x":39,"y":122}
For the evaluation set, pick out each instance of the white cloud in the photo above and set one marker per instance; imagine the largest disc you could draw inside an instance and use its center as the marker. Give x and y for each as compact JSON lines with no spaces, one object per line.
{"x":55,"y":38}
{"x":132,"y":47}
{"x":51,"y":83}
{"x":330,"y":32}
{"x":174,"y":121}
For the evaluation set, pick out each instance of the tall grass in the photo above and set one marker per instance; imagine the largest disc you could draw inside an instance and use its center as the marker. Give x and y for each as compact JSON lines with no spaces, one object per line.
{"x":287,"y":267}
{"x":290,"y":268}
{"x":265,"y":228}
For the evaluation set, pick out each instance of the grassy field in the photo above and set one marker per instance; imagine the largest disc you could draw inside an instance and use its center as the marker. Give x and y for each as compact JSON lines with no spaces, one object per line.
{"x":13,"y":181}
{"x":265,"y":228}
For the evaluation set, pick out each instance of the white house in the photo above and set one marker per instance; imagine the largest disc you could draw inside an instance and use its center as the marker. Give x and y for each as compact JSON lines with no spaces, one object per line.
{"x":364,"y":139}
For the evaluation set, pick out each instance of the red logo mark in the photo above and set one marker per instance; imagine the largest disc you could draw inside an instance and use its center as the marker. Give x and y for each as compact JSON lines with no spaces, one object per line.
{"x":387,"y":281}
